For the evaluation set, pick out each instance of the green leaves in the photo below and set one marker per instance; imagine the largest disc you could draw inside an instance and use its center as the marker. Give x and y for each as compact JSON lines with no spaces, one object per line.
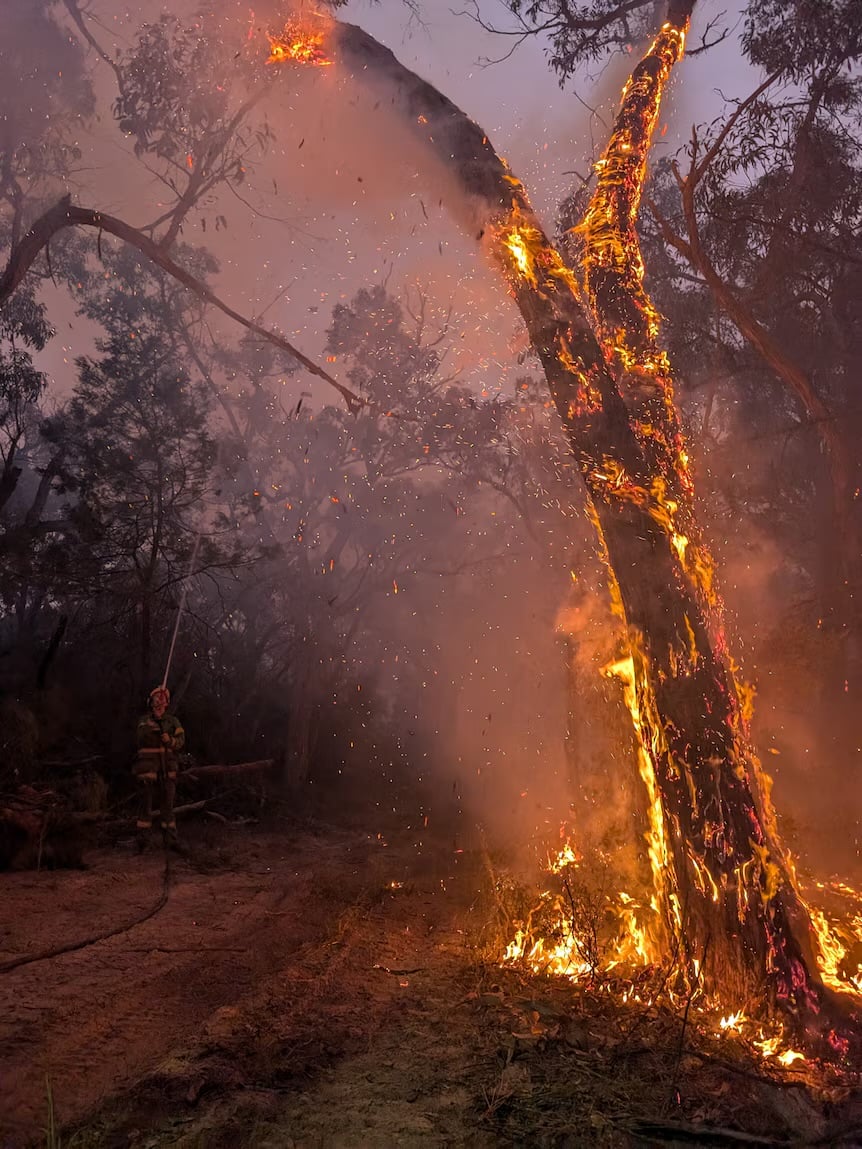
{"x":801,"y":36}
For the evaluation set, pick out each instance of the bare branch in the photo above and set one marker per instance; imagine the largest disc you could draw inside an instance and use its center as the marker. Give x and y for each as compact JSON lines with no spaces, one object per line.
{"x":64,"y":214}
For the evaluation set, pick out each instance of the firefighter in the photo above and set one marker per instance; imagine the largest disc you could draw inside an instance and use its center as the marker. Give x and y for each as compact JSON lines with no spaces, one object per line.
{"x":160,"y":738}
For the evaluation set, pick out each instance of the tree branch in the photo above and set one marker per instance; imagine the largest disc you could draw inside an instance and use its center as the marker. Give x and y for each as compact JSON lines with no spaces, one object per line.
{"x":65,"y":214}
{"x":698,"y":170}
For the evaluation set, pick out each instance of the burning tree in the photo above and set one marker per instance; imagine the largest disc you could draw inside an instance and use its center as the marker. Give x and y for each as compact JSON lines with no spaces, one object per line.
{"x":728,"y":895}
{"x":727,"y":890}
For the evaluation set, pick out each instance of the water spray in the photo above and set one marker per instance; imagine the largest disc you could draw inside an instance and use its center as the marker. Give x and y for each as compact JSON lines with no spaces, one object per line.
{"x":181,"y":608}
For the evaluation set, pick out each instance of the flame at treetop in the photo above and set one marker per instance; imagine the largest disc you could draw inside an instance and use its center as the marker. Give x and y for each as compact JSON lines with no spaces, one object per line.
{"x":297,"y":44}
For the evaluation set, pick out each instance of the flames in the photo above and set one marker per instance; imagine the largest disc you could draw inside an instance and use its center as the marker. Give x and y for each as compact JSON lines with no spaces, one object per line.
{"x":657,"y":841}
{"x":608,"y":941}
{"x":520,"y":243}
{"x":548,"y":940}
{"x":524,"y":251}
{"x":608,"y":227}
{"x":768,"y":1043}
{"x":739,"y":866}
{"x":616,"y":941}
{"x":579,"y":932}
{"x":628,"y":324}
{"x":838,"y":938}
{"x":627,"y":933}
{"x":298,"y":44}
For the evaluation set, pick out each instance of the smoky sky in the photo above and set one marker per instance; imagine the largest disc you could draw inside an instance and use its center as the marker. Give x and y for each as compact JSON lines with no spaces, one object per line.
{"x":343,"y":200}
{"x":340,"y":201}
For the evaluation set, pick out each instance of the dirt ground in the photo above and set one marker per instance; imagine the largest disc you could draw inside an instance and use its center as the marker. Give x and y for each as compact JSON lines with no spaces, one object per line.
{"x":309,"y":986}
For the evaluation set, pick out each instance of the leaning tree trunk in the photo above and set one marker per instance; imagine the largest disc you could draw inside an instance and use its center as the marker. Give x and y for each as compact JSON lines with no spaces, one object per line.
{"x":727,"y":893}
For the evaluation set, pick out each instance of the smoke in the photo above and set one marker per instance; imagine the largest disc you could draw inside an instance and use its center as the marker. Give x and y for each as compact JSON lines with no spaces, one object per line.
{"x":506,"y":720}
{"x":803,"y":726}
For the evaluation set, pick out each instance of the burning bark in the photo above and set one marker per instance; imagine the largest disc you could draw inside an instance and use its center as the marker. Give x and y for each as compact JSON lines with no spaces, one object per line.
{"x":727,"y":893}
{"x":627,"y":322}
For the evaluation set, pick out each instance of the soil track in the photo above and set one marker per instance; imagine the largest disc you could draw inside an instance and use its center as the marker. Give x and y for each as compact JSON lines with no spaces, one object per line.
{"x":97,"y":1020}
{"x":307,"y":990}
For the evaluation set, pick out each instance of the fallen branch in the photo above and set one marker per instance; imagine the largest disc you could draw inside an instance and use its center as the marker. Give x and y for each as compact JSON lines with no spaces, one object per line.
{"x":234,"y":823}
{"x":188,"y":807}
{"x":698,"y":1134}
{"x":72,"y":763}
{"x":185,"y":949}
{"x":398,"y":972}
{"x":218,"y":771}
{"x":90,"y":816}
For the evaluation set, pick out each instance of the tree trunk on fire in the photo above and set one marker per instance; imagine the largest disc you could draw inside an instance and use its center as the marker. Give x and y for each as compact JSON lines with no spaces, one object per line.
{"x":728,"y":895}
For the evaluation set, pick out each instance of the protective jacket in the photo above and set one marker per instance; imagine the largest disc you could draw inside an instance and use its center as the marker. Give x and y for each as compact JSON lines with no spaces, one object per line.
{"x":155,"y":755}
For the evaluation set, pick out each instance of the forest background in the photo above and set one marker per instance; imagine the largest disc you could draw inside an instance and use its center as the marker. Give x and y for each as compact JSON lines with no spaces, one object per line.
{"x":402,"y":603}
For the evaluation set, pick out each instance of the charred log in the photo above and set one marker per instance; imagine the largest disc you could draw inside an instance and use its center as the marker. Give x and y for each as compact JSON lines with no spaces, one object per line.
{"x":218,"y":771}
{"x":37,"y":832}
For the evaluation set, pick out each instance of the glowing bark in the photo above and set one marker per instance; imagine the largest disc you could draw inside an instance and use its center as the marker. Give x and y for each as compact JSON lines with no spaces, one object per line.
{"x":627,"y":322}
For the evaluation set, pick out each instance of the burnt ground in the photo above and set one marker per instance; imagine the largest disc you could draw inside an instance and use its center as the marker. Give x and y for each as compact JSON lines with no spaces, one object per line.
{"x":312,"y":986}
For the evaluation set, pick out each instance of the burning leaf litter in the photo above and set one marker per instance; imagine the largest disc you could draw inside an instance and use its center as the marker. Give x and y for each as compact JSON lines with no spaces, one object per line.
{"x":608,"y":941}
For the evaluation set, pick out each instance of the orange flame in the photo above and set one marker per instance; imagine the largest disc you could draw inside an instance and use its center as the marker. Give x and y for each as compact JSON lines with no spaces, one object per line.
{"x":838,"y":940}
{"x":552,"y":941}
{"x":299,"y":45}
{"x":608,"y":226}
